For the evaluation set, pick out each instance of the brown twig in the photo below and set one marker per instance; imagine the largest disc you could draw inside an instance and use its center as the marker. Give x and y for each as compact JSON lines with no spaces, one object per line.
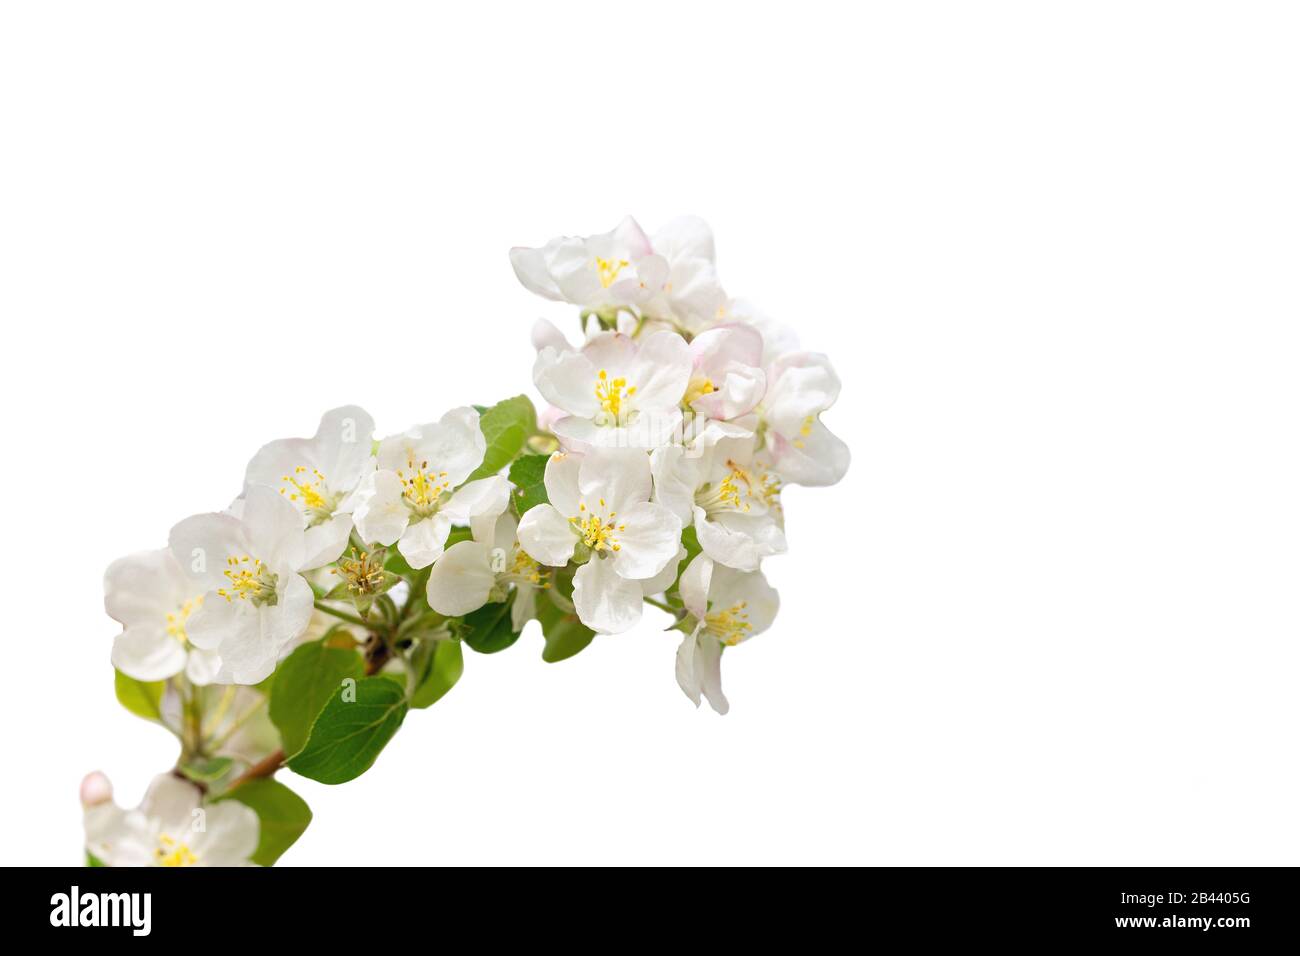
{"x":265,"y":767}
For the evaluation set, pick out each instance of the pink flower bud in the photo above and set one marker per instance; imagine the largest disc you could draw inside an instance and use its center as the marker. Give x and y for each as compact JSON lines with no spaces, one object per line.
{"x":95,"y":789}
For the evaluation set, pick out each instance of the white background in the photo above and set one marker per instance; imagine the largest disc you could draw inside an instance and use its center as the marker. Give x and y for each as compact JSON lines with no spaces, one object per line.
{"x":1049,"y":617}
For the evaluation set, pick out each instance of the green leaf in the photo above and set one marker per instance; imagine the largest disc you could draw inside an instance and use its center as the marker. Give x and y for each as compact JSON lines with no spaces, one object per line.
{"x":437,"y":666}
{"x":283,"y":816}
{"x":565,"y":634}
{"x":144,"y":699}
{"x":506,"y":426}
{"x":355,"y":724}
{"x":304,"y":681}
{"x":691,"y":542}
{"x":488,"y":629}
{"x":206,"y":771}
{"x":92,"y":860}
{"x":527,"y":474}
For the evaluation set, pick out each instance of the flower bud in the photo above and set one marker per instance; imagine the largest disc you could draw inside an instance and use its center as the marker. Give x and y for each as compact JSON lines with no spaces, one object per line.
{"x":95,"y":789}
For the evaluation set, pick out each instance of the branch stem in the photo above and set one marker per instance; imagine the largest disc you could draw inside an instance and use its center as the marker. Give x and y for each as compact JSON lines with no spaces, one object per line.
{"x":342,"y":615}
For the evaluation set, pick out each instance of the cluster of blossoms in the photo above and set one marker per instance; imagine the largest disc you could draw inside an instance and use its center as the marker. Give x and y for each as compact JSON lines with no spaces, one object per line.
{"x":298,"y":626}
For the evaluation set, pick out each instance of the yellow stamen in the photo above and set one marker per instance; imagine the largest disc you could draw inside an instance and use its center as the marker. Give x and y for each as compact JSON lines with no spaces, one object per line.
{"x":176,"y":621}
{"x":362,"y":571}
{"x":735,"y":492}
{"x":422,"y":487}
{"x":612,"y":393}
{"x":731,"y":625}
{"x":523,"y":567}
{"x":171,"y":853}
{"x":609,"y":270}
{"x":598,"y":534}
{"x":698,"y":388}
{"x":309,"y":488}
{"x":250,"y":580}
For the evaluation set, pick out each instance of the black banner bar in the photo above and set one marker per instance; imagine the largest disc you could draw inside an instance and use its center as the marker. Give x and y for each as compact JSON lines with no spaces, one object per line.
{"x":1231,"y":907}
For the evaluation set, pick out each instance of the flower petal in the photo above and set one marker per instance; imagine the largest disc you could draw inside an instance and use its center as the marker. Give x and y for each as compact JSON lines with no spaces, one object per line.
{"x":816,"y":458}
{"x":323,"y":543}
{"x":147,"y":652}
{"x":685,"y":237}
{"x":750,"y":588}
{"x":708,"y":668}
{"x":202,"y":667}
{"x":453,"y":444}
{"x":229,"y":835}
{"x":531,"y":270}
{"x":379,"y":512}
{"x":695,"y":294}
{"x":277,"y":459}
{"x":664,"y":579}
{"x":288,"y":619}
{"x":201,"y":544}
{"x":561,"y":480}
{"x":547,"y":536}
{"x":661,"y":371}
{"x":145,"y":587}
{"x":573,"y":269}
{"x":342,"y":443}
{"x":546,"y":334}
{"x":171,"y":802}
{"x":485,"y":496}
{"x":610,"y":352}
{"x":218,"y":622}
{"x":739,"y":541}
{"x":694,"y":587}
{"x":620,"y":477}
{"x":649,"y":535}
{"x":687,"y":679}
{"x":461,"y":580}
{"x":524,"y":608}
{"x":605,"y":601}
{"x":699,"y":670}
{"x":273,"y":528}
{"x":799,"y":387}
{"x":567,"y":380}
{"x":422,"y":542}
{"x":677,"y":473}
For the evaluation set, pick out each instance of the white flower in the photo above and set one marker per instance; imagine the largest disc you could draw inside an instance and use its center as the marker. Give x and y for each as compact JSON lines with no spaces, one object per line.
{"x":618,"y":393}
{"x":152,"y":597}
{"x":599,"y":507}
{"x":247,"y":568}
{"x":800,"y":386}
{"x":731,"y":496}
{"x":470,"y":573}
{"x":317,"y":475}
{"x":727,"y":380}
{"x":615,"y":269}
{"x":726,"y":607}
{"x":171,"y":827}
{"x":691,"y":296}
{"x":416,"y":494}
